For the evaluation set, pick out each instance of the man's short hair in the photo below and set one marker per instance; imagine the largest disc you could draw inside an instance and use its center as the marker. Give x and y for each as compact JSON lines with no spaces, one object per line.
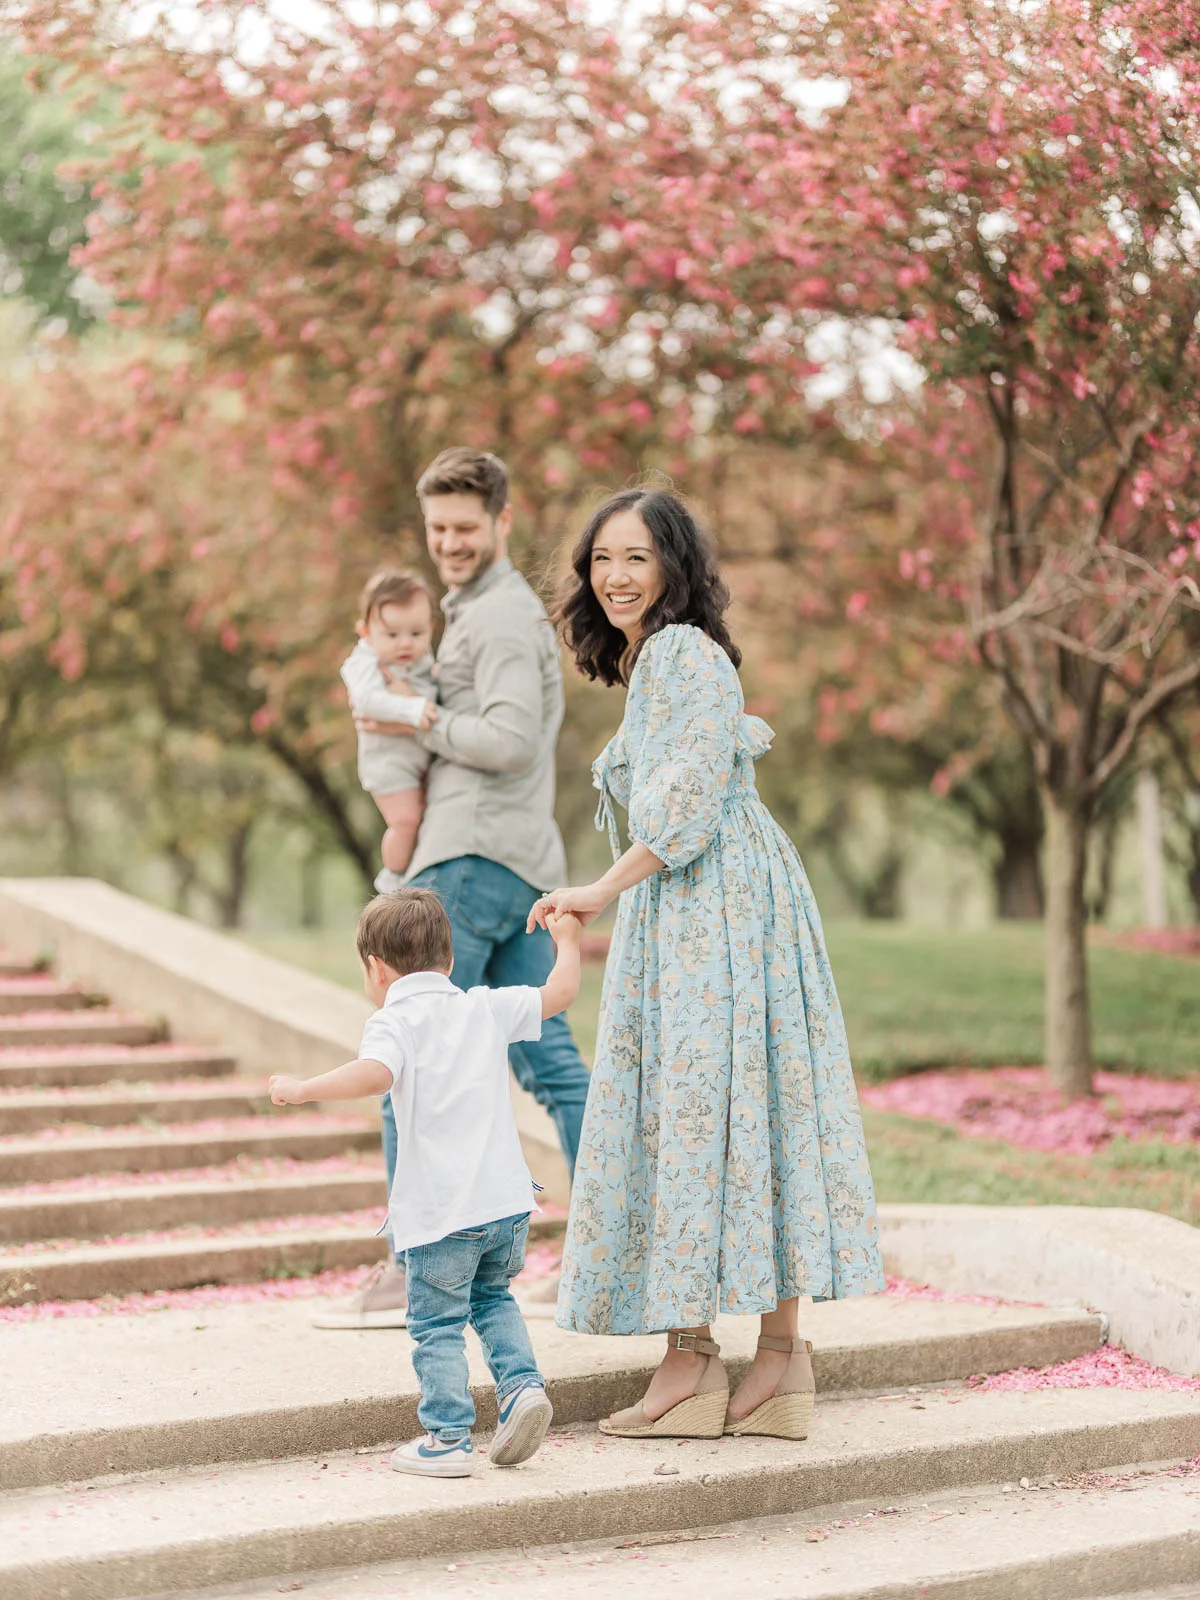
{"x":408,"y":930}
{"x":463,"y":471}
{"x":390,"y":587}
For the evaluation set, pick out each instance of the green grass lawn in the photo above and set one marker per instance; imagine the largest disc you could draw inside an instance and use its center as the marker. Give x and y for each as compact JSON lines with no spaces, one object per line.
{"x":916,"y":997}
{"x":919,"y":997}
{"x":924,"y":1161}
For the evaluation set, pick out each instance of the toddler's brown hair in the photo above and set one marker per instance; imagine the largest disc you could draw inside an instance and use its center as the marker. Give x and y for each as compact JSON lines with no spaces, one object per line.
{"x":408,"y":930}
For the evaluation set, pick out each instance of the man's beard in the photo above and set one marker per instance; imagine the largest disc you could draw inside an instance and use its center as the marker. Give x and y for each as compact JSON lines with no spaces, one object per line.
{"x":484,"y":559}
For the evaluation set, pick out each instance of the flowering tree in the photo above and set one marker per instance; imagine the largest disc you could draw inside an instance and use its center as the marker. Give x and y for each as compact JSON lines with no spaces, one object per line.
{"x":1010,"y":196}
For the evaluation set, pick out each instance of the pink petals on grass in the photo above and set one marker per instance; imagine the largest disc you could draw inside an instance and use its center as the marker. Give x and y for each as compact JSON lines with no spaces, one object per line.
{"x":1107,"y":1368}
{"x":1164,"y":941}
{"x":1018,"y":1105}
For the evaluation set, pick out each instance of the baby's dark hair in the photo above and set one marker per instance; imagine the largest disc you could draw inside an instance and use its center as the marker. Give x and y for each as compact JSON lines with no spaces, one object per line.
{"x":390,"y":587}
{"x":408,"y":930}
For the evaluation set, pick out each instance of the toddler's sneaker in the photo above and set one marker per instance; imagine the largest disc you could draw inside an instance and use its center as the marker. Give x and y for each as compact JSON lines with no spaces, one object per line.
{"x":521,"y":1425}
{"x":436,"y":1458}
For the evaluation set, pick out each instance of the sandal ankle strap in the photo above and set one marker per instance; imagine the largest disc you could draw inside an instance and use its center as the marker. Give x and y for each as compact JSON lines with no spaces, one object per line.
{"x":790,"y":1346}
{"x":692,"y":1343}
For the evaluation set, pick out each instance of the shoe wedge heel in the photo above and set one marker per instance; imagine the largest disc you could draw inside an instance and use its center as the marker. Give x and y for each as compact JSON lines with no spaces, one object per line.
{"x":786,"y":1414}
{"x":700,"y":1416}
{"x":783,"y":1416}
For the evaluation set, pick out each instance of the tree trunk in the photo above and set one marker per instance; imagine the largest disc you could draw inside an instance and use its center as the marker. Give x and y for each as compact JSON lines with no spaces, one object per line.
{"x":311,"y":882}
{"x":1150,"y":841}
{"x":232,"y":899}
{"x":1017,"y":878}
{"x":1068,"y":1019}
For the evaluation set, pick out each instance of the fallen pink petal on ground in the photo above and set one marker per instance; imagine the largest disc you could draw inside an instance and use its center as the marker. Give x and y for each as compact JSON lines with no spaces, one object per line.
{"x":904,"y":1289}
{"x":1019,"y":1106}
{"x":1107,"y":1368}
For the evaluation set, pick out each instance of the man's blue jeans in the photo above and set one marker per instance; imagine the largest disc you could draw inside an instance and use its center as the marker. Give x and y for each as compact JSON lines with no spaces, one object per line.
{"x":488,"y":906}
{"x":464,"y":1278}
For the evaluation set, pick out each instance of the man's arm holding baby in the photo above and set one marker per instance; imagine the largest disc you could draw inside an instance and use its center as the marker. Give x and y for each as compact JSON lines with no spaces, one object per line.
{"x":393,"y":699}
{"x":505,"y":733}
{"x":357,"y":1080}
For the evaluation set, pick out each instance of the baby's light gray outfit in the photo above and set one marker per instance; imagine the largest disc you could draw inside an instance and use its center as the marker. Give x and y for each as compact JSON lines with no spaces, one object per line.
{"x":388,"y":762}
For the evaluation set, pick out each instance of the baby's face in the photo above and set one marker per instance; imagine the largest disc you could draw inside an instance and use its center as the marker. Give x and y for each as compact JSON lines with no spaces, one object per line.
{"x":400,"y":634}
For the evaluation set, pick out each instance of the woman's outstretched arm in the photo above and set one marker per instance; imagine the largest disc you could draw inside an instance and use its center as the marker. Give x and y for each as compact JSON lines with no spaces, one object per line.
{"x":588,"y":902}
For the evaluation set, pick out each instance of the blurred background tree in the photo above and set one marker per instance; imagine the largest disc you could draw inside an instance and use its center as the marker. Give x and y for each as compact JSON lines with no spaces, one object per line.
{"x":266,"y":273}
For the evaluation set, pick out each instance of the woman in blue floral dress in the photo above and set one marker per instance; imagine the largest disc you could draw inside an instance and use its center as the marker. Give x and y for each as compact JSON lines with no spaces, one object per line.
{"x":722,"y":1165}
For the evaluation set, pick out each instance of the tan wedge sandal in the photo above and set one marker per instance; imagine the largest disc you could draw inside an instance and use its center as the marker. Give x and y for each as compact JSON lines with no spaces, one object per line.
{"x":700,"y":1416}
{"x":788,"y":1412}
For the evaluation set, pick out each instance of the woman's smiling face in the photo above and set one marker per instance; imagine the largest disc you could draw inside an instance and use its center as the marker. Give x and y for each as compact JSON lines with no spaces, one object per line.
{"x":627,"y":576}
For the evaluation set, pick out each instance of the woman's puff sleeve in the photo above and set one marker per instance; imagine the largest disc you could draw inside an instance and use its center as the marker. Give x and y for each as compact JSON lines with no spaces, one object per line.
{"x":682,"y":770}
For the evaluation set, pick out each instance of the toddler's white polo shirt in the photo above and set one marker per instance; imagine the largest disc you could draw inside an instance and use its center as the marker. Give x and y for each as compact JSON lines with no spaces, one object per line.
{"x":459,"y":1160}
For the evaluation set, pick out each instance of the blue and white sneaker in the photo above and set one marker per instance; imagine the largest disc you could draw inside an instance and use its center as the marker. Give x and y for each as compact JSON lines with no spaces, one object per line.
{"x":521,"y":1425}
{"x":435,"y":1458}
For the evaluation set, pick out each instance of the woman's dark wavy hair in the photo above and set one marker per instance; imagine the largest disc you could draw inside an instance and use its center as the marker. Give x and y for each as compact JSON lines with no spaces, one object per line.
{"x":694,"y":590}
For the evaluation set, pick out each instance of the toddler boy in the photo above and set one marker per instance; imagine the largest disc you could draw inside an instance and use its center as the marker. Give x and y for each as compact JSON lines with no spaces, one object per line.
{"x":461,"y":1198}
{"x":390,"y":677}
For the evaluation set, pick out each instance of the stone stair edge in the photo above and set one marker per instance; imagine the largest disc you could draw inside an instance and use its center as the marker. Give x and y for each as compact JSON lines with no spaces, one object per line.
{"x":98,"y":1213}
{"x":94,"y":1270}
{"x":196,"y":1527}
{"x":368,"y":1395}
{"x":1140,"y":1268}
{"x":1091,"y":1542}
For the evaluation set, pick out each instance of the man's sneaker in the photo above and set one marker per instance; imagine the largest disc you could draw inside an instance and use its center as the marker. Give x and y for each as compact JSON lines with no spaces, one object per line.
{"x":521,"y":1426}
{"x":435,"y":1458}
{"x":382,"y":1302}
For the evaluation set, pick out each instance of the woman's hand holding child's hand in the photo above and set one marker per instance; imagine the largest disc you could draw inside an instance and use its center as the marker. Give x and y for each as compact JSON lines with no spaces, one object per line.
{"x":586,"y":904}
{"x":565,"y":927}
{"x":286,"y":1090}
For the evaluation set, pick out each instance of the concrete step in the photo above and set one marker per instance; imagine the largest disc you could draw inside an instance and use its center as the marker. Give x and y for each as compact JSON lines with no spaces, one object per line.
{"x":79,"y":1064}
{"x":88,"y":1270}
{"x":15,"y":964}
{"x":73,"y":1153}
{"x":219,"y":1198}
{"x":28,"y":1111}
{"x":295,"y":1246}
{"x":199,"y":1527}
{"x":1064,"y":1539}
{"x":41,"y":991}
{"x":99,"y":1025}
{"x":184,"y":1388}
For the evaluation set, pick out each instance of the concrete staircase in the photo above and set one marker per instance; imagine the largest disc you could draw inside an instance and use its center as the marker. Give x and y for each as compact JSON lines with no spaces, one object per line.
{"x":130,"y":1162}
{"x":233,"y":1449}
{"x":237,"y":1450}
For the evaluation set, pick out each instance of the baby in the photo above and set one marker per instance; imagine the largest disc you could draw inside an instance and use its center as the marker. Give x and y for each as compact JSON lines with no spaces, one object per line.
{"x":390,"y":677}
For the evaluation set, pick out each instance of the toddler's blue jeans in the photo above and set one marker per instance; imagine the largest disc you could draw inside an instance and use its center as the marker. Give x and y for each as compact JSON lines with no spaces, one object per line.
{"x":465,"y":1278}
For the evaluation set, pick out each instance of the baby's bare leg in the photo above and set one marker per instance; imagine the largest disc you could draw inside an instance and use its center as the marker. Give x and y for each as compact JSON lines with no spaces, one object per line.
{"x":402,"y":812}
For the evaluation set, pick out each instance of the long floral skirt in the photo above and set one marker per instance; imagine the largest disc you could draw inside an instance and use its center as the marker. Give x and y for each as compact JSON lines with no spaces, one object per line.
{"x":722,"y":1165}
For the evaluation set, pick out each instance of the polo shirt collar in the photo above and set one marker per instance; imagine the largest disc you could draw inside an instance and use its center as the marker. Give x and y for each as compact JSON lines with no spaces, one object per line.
{"x":419,"y":983}
{"x":478,"y":586}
